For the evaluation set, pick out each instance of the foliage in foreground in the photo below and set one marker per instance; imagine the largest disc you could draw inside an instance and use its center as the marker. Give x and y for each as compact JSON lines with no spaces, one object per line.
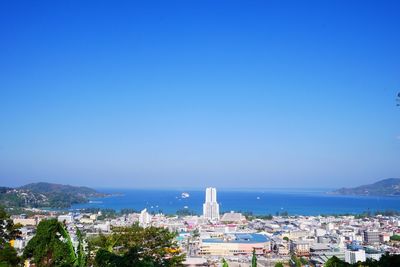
{"x":254,"y":259}
{"x":125,"y":246}
{"x":395,"y":238}
{"x":8,"y":232}
{"x":51,"y":246}
{"x":137,"y":246}
{"x":385,"y":261}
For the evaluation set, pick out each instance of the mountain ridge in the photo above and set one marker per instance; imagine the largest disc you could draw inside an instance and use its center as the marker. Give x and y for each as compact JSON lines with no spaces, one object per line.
{"x":384,"y":187}
{"x":43,"y":194}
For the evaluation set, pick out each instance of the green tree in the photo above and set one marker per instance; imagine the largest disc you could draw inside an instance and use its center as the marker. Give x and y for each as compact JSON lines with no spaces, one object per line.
{"x":127,"y":211}
{"x":107,"y":259}
{"x":151,"y":245}
{"x":224,"y":263}
{"x":303,"y":261}
{"x":254,"y":259}
{"x":8,"y":256}
{"x":284,"y":214}
{"x":385,"y":261}
{"x":336,"y":262}
{"x":8,"y":232}
{"x":132,"y":258}
{"x":395,"y":238}
{"x":296,"y":261}
{"x":389,"y":260}
{"x":279,"y":264}
{"x":51,"y":246}
{"x":371,"y":263}
{"x":196,"y":233}
{"x":184,"y":212}
{"x":81,"y":259}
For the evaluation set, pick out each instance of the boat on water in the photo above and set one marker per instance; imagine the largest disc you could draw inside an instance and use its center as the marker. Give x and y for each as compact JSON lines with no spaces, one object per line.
{"x":185,"y":195}
{"x":95,"y":202}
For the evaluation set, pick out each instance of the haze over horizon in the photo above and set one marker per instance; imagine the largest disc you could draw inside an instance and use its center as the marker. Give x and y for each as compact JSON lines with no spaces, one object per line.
{"x":176,"y":94}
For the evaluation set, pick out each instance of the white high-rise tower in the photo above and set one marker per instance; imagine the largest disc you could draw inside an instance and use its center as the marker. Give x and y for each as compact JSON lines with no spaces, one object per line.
{"x":211,"y":207}
{"x":144,"y":218}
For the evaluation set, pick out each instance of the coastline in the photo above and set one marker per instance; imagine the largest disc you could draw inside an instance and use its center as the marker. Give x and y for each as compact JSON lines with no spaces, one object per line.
{"x":259,"y":203}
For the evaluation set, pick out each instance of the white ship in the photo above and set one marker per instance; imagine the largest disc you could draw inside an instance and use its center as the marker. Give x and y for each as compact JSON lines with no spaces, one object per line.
{"x":185,"y":195}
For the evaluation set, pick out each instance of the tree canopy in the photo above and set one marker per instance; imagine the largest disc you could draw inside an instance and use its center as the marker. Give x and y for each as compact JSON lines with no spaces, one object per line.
{"x":8,"y":232}
{"x":254,"y":259}
{"x":385,"y":261}
{"x":138,"y":246}
{"x":51,"y":245}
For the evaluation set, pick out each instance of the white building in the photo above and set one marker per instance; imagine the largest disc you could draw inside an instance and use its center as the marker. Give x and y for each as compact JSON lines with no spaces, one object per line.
{"x":19,"y":244}
{"x":352,"y":256}
{"x":144,"y":218}
{"x":235,"y":244}
{"x":233,"y":217}
{"x":103,"y":227}
{"x":301,"y":248}
{"x":374,"y":256}
{"x":67,"y":218}
{"x":211,"y":207}
{"x":26,"y":221}
{"x":86,"y":220}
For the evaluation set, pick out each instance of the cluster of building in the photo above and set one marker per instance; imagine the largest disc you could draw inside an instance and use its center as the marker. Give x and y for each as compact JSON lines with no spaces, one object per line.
{"x":208,"y":238}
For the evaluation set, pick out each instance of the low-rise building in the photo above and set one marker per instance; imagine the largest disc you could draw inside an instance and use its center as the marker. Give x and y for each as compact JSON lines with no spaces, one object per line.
{"x":67,"y":218}
{"x":384,"y":237}
{"x":300,"y":248}
{"x":26,"y":221}
{"x":235,"y":244}
{"x":354,"y":256}
{"x":144,"y":218}
{"x":283,"y":248}
{"x":233,"y":217}
{"x":371,"y":237}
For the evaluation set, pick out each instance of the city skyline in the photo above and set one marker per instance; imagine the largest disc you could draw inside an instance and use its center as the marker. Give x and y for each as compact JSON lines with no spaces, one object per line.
{"x":195,"y":94}
{"x":200,"y":133}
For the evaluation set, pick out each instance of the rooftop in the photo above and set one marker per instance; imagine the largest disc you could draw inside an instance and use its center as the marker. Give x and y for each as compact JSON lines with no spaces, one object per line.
{"x":239,"y":238}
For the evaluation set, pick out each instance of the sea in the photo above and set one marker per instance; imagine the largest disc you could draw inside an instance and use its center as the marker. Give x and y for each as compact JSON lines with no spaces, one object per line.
{"x":258,"y":202}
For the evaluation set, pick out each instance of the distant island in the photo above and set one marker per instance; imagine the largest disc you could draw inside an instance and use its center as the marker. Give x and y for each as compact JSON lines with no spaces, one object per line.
{"x":386,"y":187}
{"x":39,"y":195}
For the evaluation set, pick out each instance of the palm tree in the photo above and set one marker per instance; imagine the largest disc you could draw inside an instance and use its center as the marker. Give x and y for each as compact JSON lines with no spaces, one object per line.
{"x":254,"y":259}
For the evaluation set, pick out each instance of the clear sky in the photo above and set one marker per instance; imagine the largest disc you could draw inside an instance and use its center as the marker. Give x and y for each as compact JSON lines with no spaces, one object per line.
{"x":199,"y":93}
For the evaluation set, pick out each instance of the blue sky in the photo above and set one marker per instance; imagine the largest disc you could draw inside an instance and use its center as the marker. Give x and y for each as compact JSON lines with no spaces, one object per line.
{"x":199,"y":93}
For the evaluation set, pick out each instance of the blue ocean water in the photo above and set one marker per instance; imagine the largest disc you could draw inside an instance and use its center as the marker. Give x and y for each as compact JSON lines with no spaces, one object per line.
{"x":295,"y":202}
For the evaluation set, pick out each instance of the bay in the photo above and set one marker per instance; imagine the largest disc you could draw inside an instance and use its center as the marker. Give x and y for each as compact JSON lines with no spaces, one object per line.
{"x":260,"y":202}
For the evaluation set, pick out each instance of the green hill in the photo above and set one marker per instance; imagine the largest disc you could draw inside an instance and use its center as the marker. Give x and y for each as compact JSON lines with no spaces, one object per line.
{"x":38,"y":195}
{"x":42,"y":187}
{"x":386,"y":187}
